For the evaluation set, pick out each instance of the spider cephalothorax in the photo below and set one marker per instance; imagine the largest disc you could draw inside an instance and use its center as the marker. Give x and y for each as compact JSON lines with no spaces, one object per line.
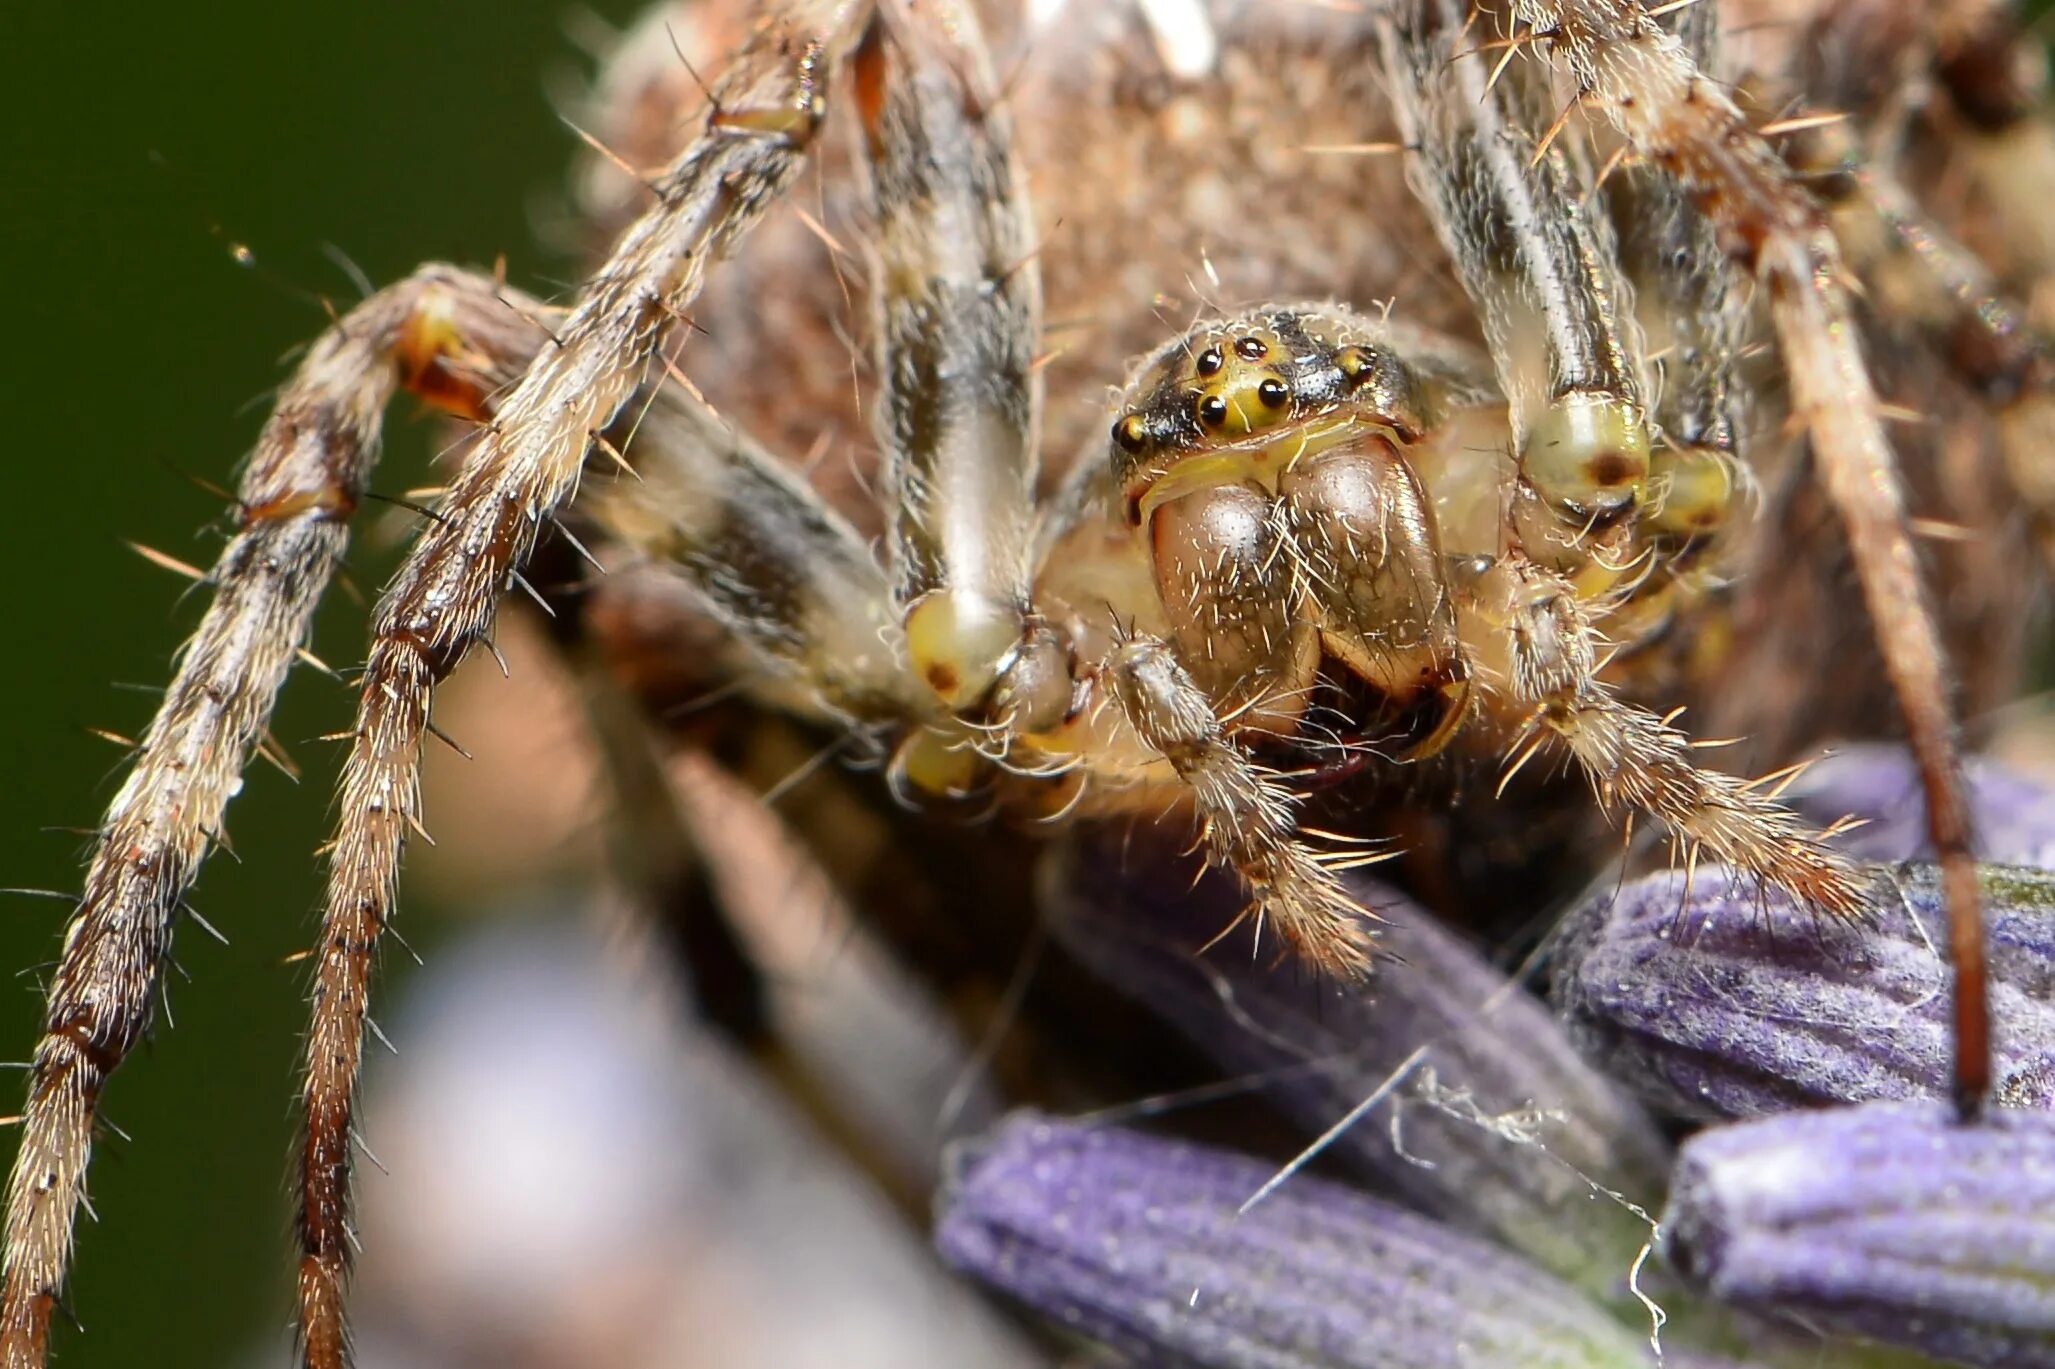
{"x":1511,"y":482}
{"x":1264,"y":462}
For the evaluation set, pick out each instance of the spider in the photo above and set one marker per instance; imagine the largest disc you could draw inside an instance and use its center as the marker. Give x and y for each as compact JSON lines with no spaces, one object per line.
{"x":1503,"y":372}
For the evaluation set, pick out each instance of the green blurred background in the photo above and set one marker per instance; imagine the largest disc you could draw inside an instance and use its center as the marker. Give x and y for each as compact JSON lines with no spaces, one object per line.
{"x":141,"y":142}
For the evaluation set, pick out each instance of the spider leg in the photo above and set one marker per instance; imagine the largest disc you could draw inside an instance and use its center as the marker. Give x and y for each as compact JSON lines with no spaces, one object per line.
{"x":652,"y":849}
{"x":1537,"y":257}
{"x":959,"y":307}
{"x":1692,"y":322}
{"x":1923,"y":277}
{"x":453,"y":338}
{"x":1691,"y":316}
{"x":1646,"y":84}
{"x":765,"y":555}
{"x":685,"y":912}
{"x":1700,"y":473}
{"x":764,"y":115}
{"x":1637,"y":760}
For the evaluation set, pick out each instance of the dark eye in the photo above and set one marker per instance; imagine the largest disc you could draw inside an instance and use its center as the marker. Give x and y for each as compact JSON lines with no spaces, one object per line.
{"x":1131,"y":433}
{"x":1354,"y":363}
{"x":1251,"y":348}
{"x":1212,"y":411}
{"x":1210,"y":362}
{"x":1273,"y":394}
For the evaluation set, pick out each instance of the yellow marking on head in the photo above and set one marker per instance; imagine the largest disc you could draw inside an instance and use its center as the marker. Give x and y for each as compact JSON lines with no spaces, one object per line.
{"x":1242,"y":389}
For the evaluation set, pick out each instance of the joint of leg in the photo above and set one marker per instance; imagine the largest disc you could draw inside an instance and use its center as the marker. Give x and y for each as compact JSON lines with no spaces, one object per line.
{"x":1593,"y":554}
{"x":1690,"y":491}
{"x":333,"y":502}
{"x":1037,"y":686}
{"x":429,"y":353}
{"x":422,"y":638}
{"x":959,"y":642}
{"x":100,"y":1056}
{"x":1588,"y":453}
{"x":932,"y":765}
{"x":795,"y":120}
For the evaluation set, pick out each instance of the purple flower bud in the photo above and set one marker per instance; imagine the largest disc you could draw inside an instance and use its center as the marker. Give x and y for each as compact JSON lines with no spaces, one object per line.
{"x":2015,"y":817}
{"x":1485,"y":1114}
{"x":1888,"y":1221}
{"x":1141,"y":1243}
{"x":1717,"y":1000}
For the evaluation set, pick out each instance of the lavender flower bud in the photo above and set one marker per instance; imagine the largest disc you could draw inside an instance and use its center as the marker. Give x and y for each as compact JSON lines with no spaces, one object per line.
{"x":1888,"y":1221}
{"x":1140,"y":1243}
{"x":1486,"y":1116}
{"x":2015,"y":817}
{"x":1717,"y":1000}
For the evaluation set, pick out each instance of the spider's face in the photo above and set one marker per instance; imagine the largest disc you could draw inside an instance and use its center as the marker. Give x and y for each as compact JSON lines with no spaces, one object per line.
{"x":1247,"y":399}
{"x":1266,"y":462}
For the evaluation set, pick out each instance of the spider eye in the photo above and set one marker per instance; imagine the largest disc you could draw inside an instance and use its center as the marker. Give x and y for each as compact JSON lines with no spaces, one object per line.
{"x":1353,"y":362}
{"x":1131,"y":433}
{"x":1251,"y":348}
{"x":1212,"y":411}
{"x":1210,"y":361}
{"x":1273,"y":394}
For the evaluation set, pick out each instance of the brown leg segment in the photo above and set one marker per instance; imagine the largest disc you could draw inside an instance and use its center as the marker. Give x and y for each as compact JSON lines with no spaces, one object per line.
{"x":1638,"y":761}
{"x":764,"y":115}
{"x":453,"y":338}
{"x":959,"y":304}
{"x":1643,"y":80}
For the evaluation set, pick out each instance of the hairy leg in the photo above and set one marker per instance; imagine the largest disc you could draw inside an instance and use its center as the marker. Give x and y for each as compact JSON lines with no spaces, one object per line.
{"x":767,"y":558}
{"x":959,"y":311}
{"x":1537,"y":257}
{"x":1636,"y":760}
{"x":1247,"y":818}
{"x":456,"y":340}
{"x":1643,"y":81}
{"x":1693,"y":321}
{"x":1922,"y":279}
{"x":764,"y":115}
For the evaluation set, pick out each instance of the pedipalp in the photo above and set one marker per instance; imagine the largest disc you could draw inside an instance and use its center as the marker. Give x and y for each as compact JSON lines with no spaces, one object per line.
{"x":1638,"y":761}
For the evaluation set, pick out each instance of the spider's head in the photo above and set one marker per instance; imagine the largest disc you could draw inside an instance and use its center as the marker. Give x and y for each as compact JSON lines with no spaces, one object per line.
{"x":1243,"y":399}
{"x":1214,"y":388}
